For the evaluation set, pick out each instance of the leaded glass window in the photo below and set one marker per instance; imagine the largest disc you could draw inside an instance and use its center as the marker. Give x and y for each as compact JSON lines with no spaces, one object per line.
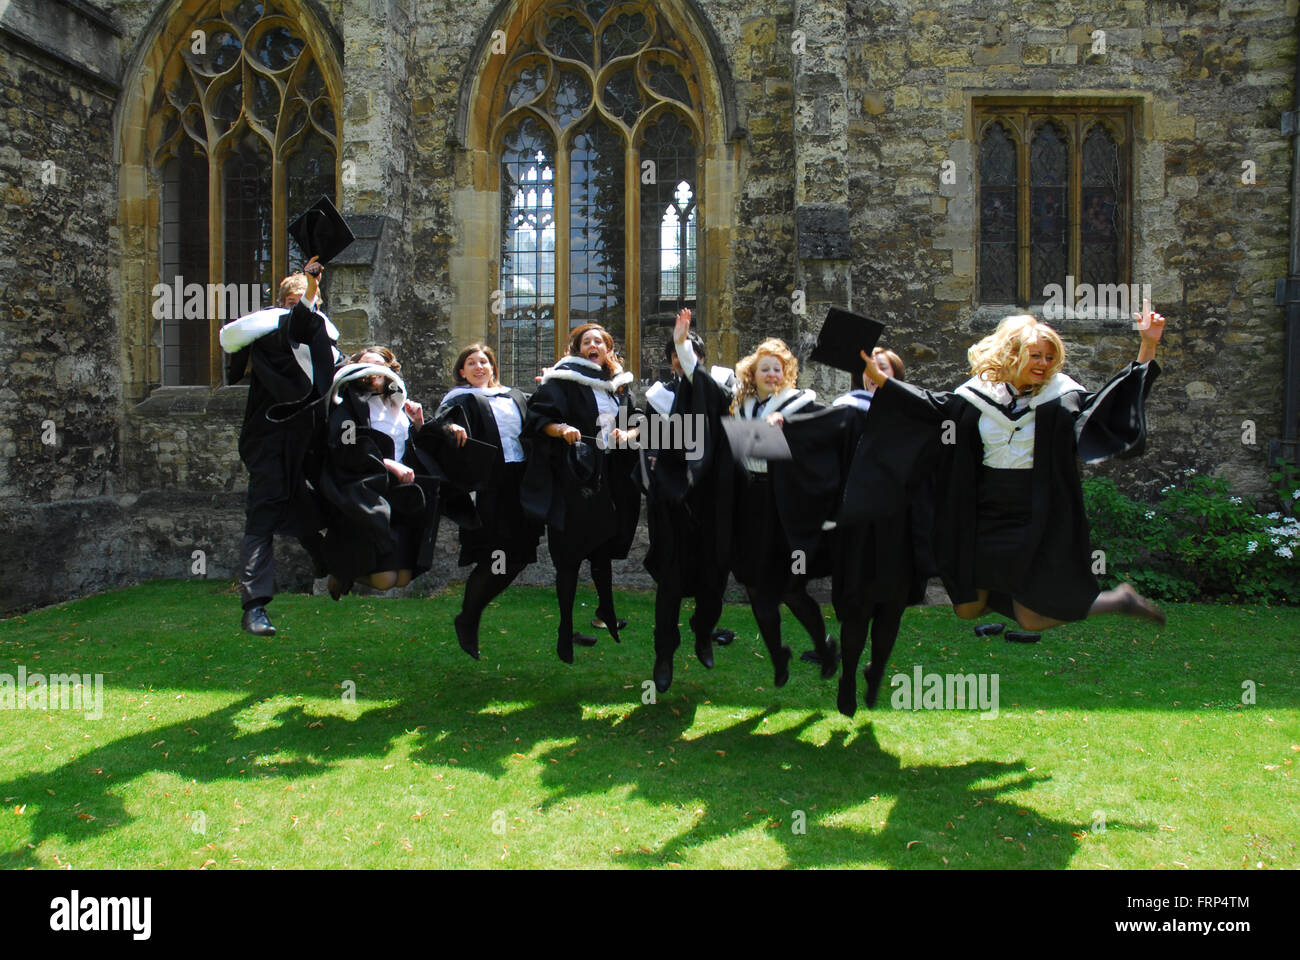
{"x":1054,"y":197}
{"x":602,"y":97}
{"x":243,"y":136}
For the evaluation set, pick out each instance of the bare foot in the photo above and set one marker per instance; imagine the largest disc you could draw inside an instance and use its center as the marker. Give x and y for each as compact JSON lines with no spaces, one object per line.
{"x":1136,"y":605}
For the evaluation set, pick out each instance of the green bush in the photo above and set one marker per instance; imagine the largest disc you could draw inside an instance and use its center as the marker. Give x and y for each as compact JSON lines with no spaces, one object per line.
{"x":1197,"y":542}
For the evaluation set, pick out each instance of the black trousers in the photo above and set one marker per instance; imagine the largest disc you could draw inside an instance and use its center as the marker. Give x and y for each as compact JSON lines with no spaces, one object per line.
{"x":709,"y":592}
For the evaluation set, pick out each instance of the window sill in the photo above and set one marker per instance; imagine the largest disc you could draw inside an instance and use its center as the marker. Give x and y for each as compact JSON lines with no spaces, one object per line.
{"x":166,"y":402}
{"x":986,"y":317}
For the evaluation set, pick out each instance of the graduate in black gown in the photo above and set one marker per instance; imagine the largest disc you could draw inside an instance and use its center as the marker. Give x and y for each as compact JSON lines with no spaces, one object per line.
{"x":503,"y":540}
{"x":881,"y":566}
{"x":688,"y":484}
{"x":578,"y":480}
{"x":380,"y":476}
{"x":778,"y":542}
{"x":1010,"y":531}
{"x":288,"y":353}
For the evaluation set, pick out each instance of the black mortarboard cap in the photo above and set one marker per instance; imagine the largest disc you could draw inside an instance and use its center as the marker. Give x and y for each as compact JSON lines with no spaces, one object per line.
{"x":321,"y":231}
{"x":842,"y":339}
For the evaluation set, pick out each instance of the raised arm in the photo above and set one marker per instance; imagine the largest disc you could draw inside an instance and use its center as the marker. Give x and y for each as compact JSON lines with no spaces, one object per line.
{"x":1152,"y":327}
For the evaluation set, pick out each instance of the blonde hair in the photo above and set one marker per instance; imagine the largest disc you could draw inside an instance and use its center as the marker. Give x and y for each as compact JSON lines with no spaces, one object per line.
{"x":745,"y":370}
{"x":1001,"y":355}
{"x":293,"y":283}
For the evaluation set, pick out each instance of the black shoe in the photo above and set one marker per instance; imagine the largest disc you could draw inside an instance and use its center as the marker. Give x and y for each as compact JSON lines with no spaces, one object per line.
{"x":847,"y":699}
{"x":810,"y":656}
{"x":1014,"y":636}
{"x":704,"y":651}
{"x":467,"y":638}
{"x":663,"y":673}
{"x":610,"y":622}
{"x":873,"y":687}
{"x":256,"y":622}
{"x":723,"y":638}
{"x":564,"y":647}
{"x":582,"y":640}
{"x":781,"y":666}
{"x":989,"y":629}
{"x":831,"y":663}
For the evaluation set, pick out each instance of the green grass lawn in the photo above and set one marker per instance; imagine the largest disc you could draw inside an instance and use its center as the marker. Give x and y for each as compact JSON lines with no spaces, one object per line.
{"x":1115,"y":745}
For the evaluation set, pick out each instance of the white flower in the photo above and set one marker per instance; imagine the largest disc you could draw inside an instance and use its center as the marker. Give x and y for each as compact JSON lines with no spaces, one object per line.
{"x":1283,"y":552}
{"x":1189,"y":472}
{"x":1275,"y":516}
{"x":1234,"y":499}
{"x":1252,"y":546}
{"x":1150,"y":514}
{"x":1274,"y":540}
{"x":1295,"y":495}
{"x":1171,"y":486}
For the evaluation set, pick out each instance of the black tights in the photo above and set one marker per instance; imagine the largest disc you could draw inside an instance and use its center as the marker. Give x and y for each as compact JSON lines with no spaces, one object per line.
{"x":566,"y":589}
{"x":767,"y":614}
{"x":668,"y":608}
{"x":883,"y":619}
{"x":484,"y":586}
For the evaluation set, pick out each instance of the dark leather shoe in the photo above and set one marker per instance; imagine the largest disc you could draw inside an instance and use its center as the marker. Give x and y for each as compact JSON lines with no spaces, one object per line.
{"x":467,"y":638}
{"x":781,"y":666}
{"x":582,"y":640}
{"x":989,"y":629}
{"x":610,"y":622}
{"x":723,"y":638}
{"x":704,"y":651}
{"x":1015,"y":636}
{"x":810,"y":656}
{"x":663,"y":673}
{"x":256,"y":622}
{"x":831,"y":662}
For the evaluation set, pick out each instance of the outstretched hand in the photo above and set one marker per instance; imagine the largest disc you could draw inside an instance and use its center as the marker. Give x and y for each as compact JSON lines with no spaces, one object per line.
{"x":871,"y":371}
{"x":683,"y":326}
{"x":313,"y":270}
{"x":1151,"y":325}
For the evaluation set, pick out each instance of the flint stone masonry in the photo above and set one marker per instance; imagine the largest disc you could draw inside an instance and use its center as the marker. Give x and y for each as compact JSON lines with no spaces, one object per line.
{"x":829,"y":182}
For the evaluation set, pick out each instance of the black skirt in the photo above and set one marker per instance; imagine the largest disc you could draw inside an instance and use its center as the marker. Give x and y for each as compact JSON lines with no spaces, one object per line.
{"x":761,"y":556}
{"x":1002,"y":528}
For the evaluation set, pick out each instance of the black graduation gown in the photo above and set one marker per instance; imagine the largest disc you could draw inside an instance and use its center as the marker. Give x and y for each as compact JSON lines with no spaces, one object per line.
{"x":1054,"y":574}
{"x":689,"y":501}
{"x":885,"y":561}
{"x":787,"y":512}
{"x":587,"y":497}
{"x":375,"y":521}
{"x":280,"y":441}
{"x":499,"y":519}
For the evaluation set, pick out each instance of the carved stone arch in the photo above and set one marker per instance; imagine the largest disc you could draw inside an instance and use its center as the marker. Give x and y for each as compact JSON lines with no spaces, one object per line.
{"x":516,"y":25}
{"x":169,"y":32}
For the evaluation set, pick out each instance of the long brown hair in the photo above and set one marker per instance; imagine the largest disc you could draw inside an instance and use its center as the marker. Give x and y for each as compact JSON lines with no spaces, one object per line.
{"x":575,"y":342}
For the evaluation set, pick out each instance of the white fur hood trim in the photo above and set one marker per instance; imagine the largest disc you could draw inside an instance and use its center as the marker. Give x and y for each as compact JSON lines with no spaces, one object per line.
{"x":455,"y":392}
{"x":238,"y":334}
{"x":356,"y":371}
{"x":993,"y":397}
{"x":583,"y":371}
{"x":790,"y":400}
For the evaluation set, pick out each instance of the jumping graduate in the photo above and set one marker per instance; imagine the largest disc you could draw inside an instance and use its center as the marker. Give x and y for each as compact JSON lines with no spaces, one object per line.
{"x":503,"y":540}
{"x":880,"y":566}
{"x":380,"y":476}
{"x":577,"y":479}
{"x":1010,"y":532}
{"x":782,"y":506}
{"x":289,"y":355}
{"x":688,"y":501}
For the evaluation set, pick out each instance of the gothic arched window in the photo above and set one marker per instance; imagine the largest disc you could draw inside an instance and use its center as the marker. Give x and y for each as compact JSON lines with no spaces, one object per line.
{"x":597,"y":136}
{"x":1054,"y":198}
{"x":242,"y":134}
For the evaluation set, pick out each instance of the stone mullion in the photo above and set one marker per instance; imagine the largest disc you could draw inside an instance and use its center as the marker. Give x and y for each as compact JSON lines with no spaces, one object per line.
{"x":632,"y":257}
{"x":216,"y":264}
{"x":562,"y":182}
{"x":279,"y":220}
